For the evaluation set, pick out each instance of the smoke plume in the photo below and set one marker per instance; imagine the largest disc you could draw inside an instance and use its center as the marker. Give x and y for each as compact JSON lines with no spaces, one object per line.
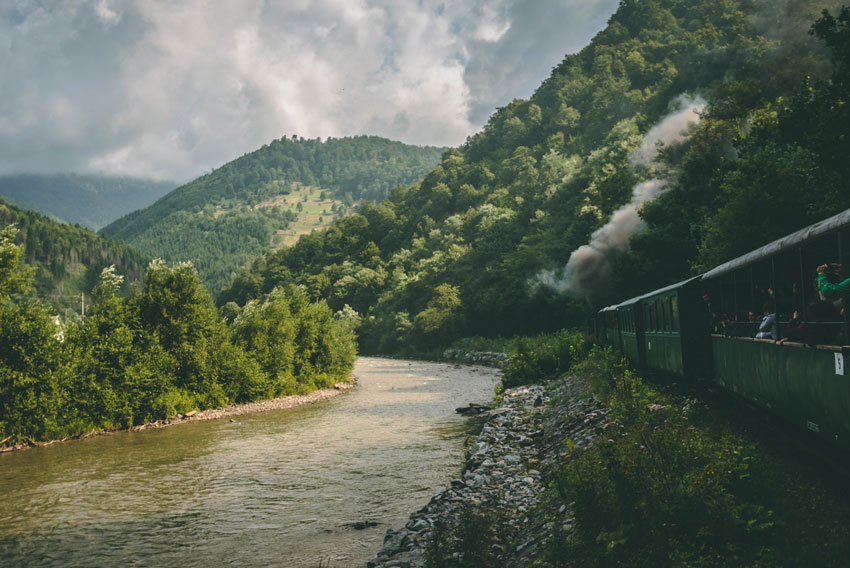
{"x":587,"y":274}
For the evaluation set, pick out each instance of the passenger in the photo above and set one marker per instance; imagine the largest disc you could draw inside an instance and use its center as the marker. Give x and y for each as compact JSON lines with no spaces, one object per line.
{"x":796,"y":330}
{"x":727,"y":326}
{"x":830,"y":282}
{"x":748,"y":327}
{"x":767,"y":329}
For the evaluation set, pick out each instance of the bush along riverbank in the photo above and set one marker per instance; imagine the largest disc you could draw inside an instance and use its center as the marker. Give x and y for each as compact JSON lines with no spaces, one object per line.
{"x":597,"y":468}
{"x":163,"y":350}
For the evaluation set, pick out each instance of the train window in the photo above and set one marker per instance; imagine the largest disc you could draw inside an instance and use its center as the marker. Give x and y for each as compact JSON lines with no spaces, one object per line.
{"x":665,"y":307}
{"x":669,"y":308}
{"x":823,"y":318}
{"x":789,"y":291}
{"x":728,"y":310}
{"x":763,"y":290}
{"x":674,"y":312}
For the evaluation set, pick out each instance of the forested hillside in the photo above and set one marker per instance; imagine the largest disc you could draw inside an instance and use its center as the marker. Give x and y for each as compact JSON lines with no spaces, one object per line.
{"x":68,"y":259}
{"x":88,"y":200}
{"x":685,"y":133}
{"x":223,"y":220}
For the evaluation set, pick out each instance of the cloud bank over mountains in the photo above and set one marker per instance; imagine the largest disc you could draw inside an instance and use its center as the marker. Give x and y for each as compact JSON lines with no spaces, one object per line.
{"x":172,"y":89}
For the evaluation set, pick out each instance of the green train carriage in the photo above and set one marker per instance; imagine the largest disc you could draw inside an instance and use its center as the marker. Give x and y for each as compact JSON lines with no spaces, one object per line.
{"x":667,"y":330}
{"x":632,"y":341}
{"x":801,"y":379}
{"x":705,"y":327}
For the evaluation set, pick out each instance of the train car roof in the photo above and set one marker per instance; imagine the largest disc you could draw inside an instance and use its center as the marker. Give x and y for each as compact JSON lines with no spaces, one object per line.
{"x":795,"y":239}
{"x":681,"y":284}
{"x":608,"y":308}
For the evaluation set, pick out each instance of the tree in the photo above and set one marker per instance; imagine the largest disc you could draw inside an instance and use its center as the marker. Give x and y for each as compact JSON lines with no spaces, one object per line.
{"x":13,"y":278}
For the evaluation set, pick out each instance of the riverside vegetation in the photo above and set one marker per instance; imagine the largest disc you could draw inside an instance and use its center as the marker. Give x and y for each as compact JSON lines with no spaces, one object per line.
{"x":161,"y":351}
{"x":596,"y":467}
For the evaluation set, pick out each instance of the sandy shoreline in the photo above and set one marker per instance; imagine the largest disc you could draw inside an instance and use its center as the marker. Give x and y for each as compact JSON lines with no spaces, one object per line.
{"x":280,"y":403}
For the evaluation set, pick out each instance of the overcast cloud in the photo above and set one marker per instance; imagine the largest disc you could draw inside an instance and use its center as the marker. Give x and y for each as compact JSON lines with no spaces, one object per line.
{"x":171,"y":89}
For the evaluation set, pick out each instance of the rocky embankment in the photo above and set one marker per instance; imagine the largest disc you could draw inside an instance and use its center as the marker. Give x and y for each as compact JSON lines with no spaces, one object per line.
{"x":486,"y":358}
{"x":508,"y":469}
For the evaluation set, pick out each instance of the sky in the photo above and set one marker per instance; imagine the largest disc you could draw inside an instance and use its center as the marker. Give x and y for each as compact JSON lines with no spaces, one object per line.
{"x":170,"y":89}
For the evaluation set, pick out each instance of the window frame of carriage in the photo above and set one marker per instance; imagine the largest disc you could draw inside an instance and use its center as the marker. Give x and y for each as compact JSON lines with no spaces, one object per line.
{"x":794,"y":258}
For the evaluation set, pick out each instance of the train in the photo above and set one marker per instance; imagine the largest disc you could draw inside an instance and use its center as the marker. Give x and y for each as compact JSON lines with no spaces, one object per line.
{"x":704,"y":329}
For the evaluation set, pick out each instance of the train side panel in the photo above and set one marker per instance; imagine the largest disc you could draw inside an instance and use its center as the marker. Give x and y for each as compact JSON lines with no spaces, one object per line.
{"x":664,"y":352}
{"x":631,"y":332}
{"x":807,"y":386}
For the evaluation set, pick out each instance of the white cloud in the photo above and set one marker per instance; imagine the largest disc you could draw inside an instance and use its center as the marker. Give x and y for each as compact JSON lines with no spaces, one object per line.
{"x":171,"y":89}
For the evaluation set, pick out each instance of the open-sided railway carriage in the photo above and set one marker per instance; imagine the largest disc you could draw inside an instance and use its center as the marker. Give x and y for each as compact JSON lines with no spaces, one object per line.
{"x":705,"y":327}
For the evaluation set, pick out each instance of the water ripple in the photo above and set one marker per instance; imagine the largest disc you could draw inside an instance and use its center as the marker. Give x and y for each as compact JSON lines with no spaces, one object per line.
{"x":276,"y":488}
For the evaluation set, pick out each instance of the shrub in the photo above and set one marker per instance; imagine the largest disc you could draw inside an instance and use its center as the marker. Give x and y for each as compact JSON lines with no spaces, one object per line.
{"x":543,"y":357}
{"x":477,"y":537}
{"x":657,"y":490}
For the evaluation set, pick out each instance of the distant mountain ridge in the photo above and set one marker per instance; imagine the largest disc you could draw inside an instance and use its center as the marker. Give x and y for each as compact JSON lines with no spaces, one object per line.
{"x":92,"y":201}
{"x":223,"y":220}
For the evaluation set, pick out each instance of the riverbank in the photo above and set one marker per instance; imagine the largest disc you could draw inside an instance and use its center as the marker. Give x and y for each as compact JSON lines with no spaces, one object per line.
{"x":280,"y":403}
{"x":555,"y":464}
{"x":504,"y":489}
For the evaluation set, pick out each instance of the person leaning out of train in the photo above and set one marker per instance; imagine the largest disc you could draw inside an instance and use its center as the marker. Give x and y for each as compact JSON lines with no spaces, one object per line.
{"x":767,"y":329}
{"x":830,"y":282}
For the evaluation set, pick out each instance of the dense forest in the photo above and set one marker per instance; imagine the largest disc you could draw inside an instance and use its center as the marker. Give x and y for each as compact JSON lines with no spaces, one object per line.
{"x":223,"y":220}
{"x":89,"y":200}
{"x":67,"y":259}
{"x":685,"y":133}
{"x":160,"y":351}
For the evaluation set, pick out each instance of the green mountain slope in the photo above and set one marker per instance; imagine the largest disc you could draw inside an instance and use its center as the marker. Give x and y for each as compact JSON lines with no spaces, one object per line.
{"x":481,"y":244}
{"x":223,"y":220}
{"x":68,"y":259}
{"x":88,"y":200}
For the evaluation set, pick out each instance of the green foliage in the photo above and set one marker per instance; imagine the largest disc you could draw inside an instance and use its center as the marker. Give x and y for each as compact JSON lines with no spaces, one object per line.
{"x":29,"y":354}
{"x":223,"y":220}
{"x":475,"y":538}
{"x":298,"y":345}
{"x":161,"y":351}
{"x":536,"y":359}
{"x":13,"y":280}
{"x":64,"y":260}
{"x":658,"y":490}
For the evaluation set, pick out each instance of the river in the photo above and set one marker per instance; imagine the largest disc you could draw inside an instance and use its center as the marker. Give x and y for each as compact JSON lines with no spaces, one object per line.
{"x":277,"y":488}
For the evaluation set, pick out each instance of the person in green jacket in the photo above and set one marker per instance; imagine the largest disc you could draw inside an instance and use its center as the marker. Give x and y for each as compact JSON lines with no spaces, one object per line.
{"x":832,"y":290}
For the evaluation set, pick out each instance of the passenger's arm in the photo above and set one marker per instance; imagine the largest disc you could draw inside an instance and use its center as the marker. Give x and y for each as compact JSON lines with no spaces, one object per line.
{"x":833,"y":291}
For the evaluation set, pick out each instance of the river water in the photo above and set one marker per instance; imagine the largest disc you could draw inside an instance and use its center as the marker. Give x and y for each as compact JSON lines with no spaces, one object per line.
{"x":278,"y":488}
